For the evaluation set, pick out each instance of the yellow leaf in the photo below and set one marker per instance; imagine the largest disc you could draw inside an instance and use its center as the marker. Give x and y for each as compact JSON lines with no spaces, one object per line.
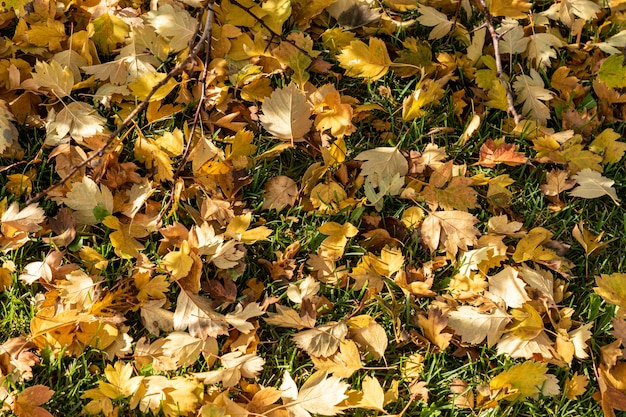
{"x":520,"y":381}
{"x":360,"y":60}
{"x":150,"y":152}
{"x":286,"y":114}
{"x":612,"y":288}
{"x":109,"y":30}
{"x":173,"y":23}
{"x":326,"y":198}
{"x":606,"y":144}
{"x":237,"y":229}
{"x":90,"y":203}
{"x":575,"y":386}
{"x":54,"y":77}
{"x":143,"y":84}
{"x":49,"y":33}
{"x":120,"y":384}
{"x":123,"y":239}
{"x":516,"y":9}
{"x":369,"y":335}
{"x":27,"y":403}
{"x":343,"y":363}
{"x":427,"y":92}
{"x":373,"y":394}
{"x":322,"y":341}
{"x":338,"y":234}
{"x":331,"y":112}
{"x":178,"y":262}
{"x":172,"y":142}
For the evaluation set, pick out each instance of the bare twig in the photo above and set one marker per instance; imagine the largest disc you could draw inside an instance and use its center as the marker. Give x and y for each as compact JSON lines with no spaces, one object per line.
{"x":495,"y":37}
{"x":142,"y":106}
{"x":196,"y":118}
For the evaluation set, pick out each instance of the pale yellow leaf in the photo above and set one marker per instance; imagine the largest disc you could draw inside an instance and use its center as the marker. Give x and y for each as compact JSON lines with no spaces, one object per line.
{"x":91,"y":204}
{"x":592,"y":184}
{"x":286,"y":114}
{"x":475,"y":326}
{"x":173,"y":23}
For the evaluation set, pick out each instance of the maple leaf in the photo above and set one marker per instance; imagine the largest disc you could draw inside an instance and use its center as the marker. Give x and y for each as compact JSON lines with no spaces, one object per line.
{"x":527,"y":379}
{"x":91,"y":204}
{"x":173,"y":397}
{"x":320,"y":394}
{"x":360,"y":60}
{"x":239,"y":318}
{"x":235,"y":365}
{"x":612,"y":288}
{"x":343,"y":363}
{"x":153,"y":155}
{"x":591,"y":244}
{"x":556,"y":182}
{"x":195,"y":312}
{"x":505,"y":153}
{"x":455,"y":195}
{"x":338,"y":234}
{"x":286,"y":114}
{"x":433,"y":18}
{"x":453,"y":229}
{"x":606,"y":144}
{"x":506,"y":285}
{"x":382,"y":164}
{"x":27,"y":403}
{"x":9,"y":135}
{"x":541,"y":49}
{"x":567,"y":10}
{"x":123,"y":238}
{"x":173,"y":23}
{"x":575,"y":386}
{"x":427,"y":91}
{"x":119,"y":385}
{"x":280,"y":192}
{"x":145,"y":83}
{"x":322,"y":341}
{"x":373,"y":395}
{"x":330,"y":112}
{"x":370,"y":335}
{"x":475,"y":326}
{"x":79,"y":119}
{"x":591,"y":184}
{"x":58,"y":79}
{"x":433,"y":325}
{"x":531,"y":92}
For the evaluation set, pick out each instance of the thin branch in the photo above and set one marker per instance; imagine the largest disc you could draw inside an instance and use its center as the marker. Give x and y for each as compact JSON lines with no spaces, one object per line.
{"x":196,"y":118}
{"x":270,"y":30}
{"x":495,"y":37}
{"x":141,"y":107}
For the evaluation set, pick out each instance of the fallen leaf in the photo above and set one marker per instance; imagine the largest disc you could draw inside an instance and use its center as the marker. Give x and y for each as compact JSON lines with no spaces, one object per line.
{"x":286,"y":114}
{"x":280,"y":192}
{"x":591,"y":184}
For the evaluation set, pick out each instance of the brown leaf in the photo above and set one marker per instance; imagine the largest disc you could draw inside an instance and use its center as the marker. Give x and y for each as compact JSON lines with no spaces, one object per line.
{"x":17,"y":358}
{"x":280,"y":191}
{"x":29,"y":400}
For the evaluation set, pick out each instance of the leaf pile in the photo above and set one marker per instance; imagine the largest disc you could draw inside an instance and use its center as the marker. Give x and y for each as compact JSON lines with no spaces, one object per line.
{"x":197,"y":178}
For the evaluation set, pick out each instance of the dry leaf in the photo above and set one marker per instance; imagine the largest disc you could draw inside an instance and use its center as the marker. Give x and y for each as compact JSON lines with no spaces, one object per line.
{"x":286,"y":114}
{"x":591,"y":184}
{"x":280,"y":192}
